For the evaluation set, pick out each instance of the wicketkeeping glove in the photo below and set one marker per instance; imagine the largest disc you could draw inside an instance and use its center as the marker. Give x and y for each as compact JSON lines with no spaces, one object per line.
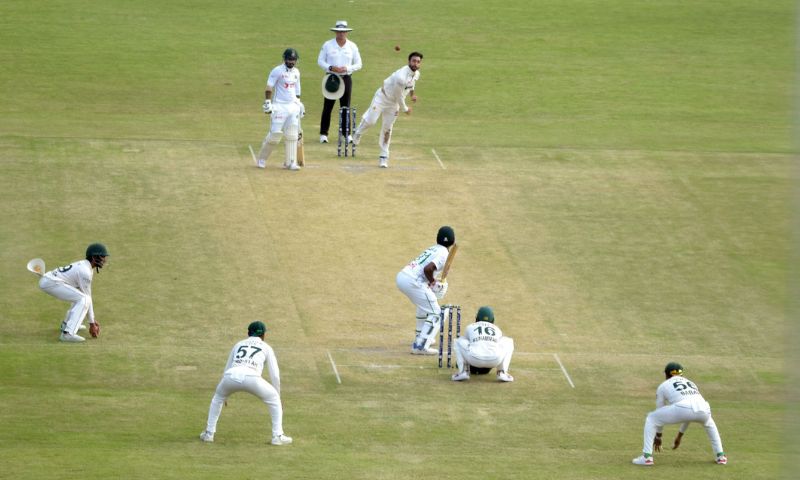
{"x":267,"y":106}
{"x":94,"y":329}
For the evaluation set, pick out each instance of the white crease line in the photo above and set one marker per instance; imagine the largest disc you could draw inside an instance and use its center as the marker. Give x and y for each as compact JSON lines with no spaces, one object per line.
{"x":335,"y":371}
{"x":555,"y":355}
{"x":388,"y":367}
{"x":438,"y":159}
{"x":253,"y":154}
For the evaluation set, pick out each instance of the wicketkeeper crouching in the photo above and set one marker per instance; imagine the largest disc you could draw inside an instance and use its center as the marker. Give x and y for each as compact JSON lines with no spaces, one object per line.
{"x":483,"y":346}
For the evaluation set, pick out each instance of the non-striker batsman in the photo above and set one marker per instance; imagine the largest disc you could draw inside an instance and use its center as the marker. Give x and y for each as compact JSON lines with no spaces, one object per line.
{"x":285,"y":109}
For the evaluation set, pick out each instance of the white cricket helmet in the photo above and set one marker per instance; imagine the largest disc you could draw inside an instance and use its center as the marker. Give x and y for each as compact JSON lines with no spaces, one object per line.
{"x":36,"y":266}
{"x":332,"y":86}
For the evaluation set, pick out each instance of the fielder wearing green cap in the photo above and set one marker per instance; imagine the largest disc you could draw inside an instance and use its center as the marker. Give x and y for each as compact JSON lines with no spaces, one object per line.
{"x":678,"y":401}
{"x":243,"y":374}
{"x":73,"y":283}
{"x":483,"y":347}
{"x":256,"y":329}
{"x":417,"y":281}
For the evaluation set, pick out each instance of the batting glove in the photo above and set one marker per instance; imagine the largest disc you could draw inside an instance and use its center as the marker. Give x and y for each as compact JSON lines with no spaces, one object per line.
{"x":440,"y":289}
{"x":267,"y":106}
{"x":302,"y":110}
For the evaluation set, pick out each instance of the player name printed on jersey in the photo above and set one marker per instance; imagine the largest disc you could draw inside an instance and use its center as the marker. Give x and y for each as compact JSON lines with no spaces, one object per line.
{"x":246,"y":362}
{"x":485,"y":338}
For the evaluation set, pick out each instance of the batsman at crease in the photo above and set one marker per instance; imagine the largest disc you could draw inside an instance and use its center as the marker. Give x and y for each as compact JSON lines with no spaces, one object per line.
{"x":417,"y":281}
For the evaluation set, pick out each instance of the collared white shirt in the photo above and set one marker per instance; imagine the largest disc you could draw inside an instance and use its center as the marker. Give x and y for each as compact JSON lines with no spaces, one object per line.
{"x":249,"y":356}
{"x":416,"y":268}
{"x":78,"y":275}
{"x":284,"y":83}
{"x":484,"y":339}
{"x":399,"y":84}
{"x":331,"y":54}
{"x":679,"y":390}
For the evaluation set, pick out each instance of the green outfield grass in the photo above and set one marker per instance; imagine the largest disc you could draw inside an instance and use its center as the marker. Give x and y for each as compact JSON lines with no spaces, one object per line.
{"x":619,"y":175}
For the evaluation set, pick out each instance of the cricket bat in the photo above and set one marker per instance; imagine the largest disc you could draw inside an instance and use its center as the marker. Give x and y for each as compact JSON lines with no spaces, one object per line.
{"x":450,"y":256}
{"x":301,"y":155}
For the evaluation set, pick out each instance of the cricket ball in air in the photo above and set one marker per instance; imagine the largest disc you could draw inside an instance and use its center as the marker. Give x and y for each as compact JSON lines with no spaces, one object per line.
{"x":397,"y":48}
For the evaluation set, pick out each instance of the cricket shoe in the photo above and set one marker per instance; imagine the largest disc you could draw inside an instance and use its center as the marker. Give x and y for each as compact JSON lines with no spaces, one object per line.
{"x":349,"y":139}
{"x":642,"y":460}
{"x":721,"y":460}
{"x":323,"y":139}
{"x":504,"y":377}
{"x":260,"y":163}
{"x":460,"y":376}
{"x":68,"y":337}
{"x":294,"y":167}
{"x":383,"y":162}
{"x":82,"y":327}
{"x":281,"y":440}
{"x":207,"y":436}
{"x":415,"y":350}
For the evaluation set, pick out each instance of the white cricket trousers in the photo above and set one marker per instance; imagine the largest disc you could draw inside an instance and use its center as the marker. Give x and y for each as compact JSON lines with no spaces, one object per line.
{"x":674,"y":414}
{"x":284,"y":120}
{"x":499,"y":358}
{"x":80,"y":302}
{"x":252,"y":384}
{"x":385,"y":110}
{"x":428,"y":309}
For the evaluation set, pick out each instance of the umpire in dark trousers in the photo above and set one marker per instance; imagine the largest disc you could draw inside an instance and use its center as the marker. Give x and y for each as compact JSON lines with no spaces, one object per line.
{"x":338,"y":56}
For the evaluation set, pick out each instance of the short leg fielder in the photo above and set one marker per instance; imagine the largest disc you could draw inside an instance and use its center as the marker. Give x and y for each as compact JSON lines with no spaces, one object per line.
{"x":427,"y":314}
{"x":252,"y":384}
{"x":501,"y":360}
{"x":81,"y":303}
{"x":674,"y":414}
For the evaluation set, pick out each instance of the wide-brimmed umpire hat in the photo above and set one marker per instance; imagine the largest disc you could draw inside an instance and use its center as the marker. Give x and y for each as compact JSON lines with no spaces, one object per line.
{"x":341,"y":26}
{"x":332,"y":86}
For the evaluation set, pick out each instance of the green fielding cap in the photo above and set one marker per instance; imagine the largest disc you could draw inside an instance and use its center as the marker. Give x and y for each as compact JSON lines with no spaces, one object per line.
{"x":256,"y":329}
{"x":673,"y":368}
{"x":485,"y":314}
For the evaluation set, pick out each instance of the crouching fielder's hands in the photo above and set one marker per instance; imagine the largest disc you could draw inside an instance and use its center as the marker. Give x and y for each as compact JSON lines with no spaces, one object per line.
{"x":94,"y":329}
{"x":677,"y":440}
{"x":440,"y":289}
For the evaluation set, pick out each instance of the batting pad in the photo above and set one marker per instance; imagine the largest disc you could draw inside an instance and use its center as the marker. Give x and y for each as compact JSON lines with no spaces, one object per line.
{"x":290,"y":143}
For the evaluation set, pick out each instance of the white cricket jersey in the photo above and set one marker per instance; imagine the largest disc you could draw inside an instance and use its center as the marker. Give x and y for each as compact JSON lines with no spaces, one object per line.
{"x":77,"y":274}
{"x":331,"y":54}
{"x":248,"y":358}
{"x":399,"y":84}
{"x":484,"y":339}
{"x":680,"y":391}
{"x":284,"y":83}
{"x":415,"y":268}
